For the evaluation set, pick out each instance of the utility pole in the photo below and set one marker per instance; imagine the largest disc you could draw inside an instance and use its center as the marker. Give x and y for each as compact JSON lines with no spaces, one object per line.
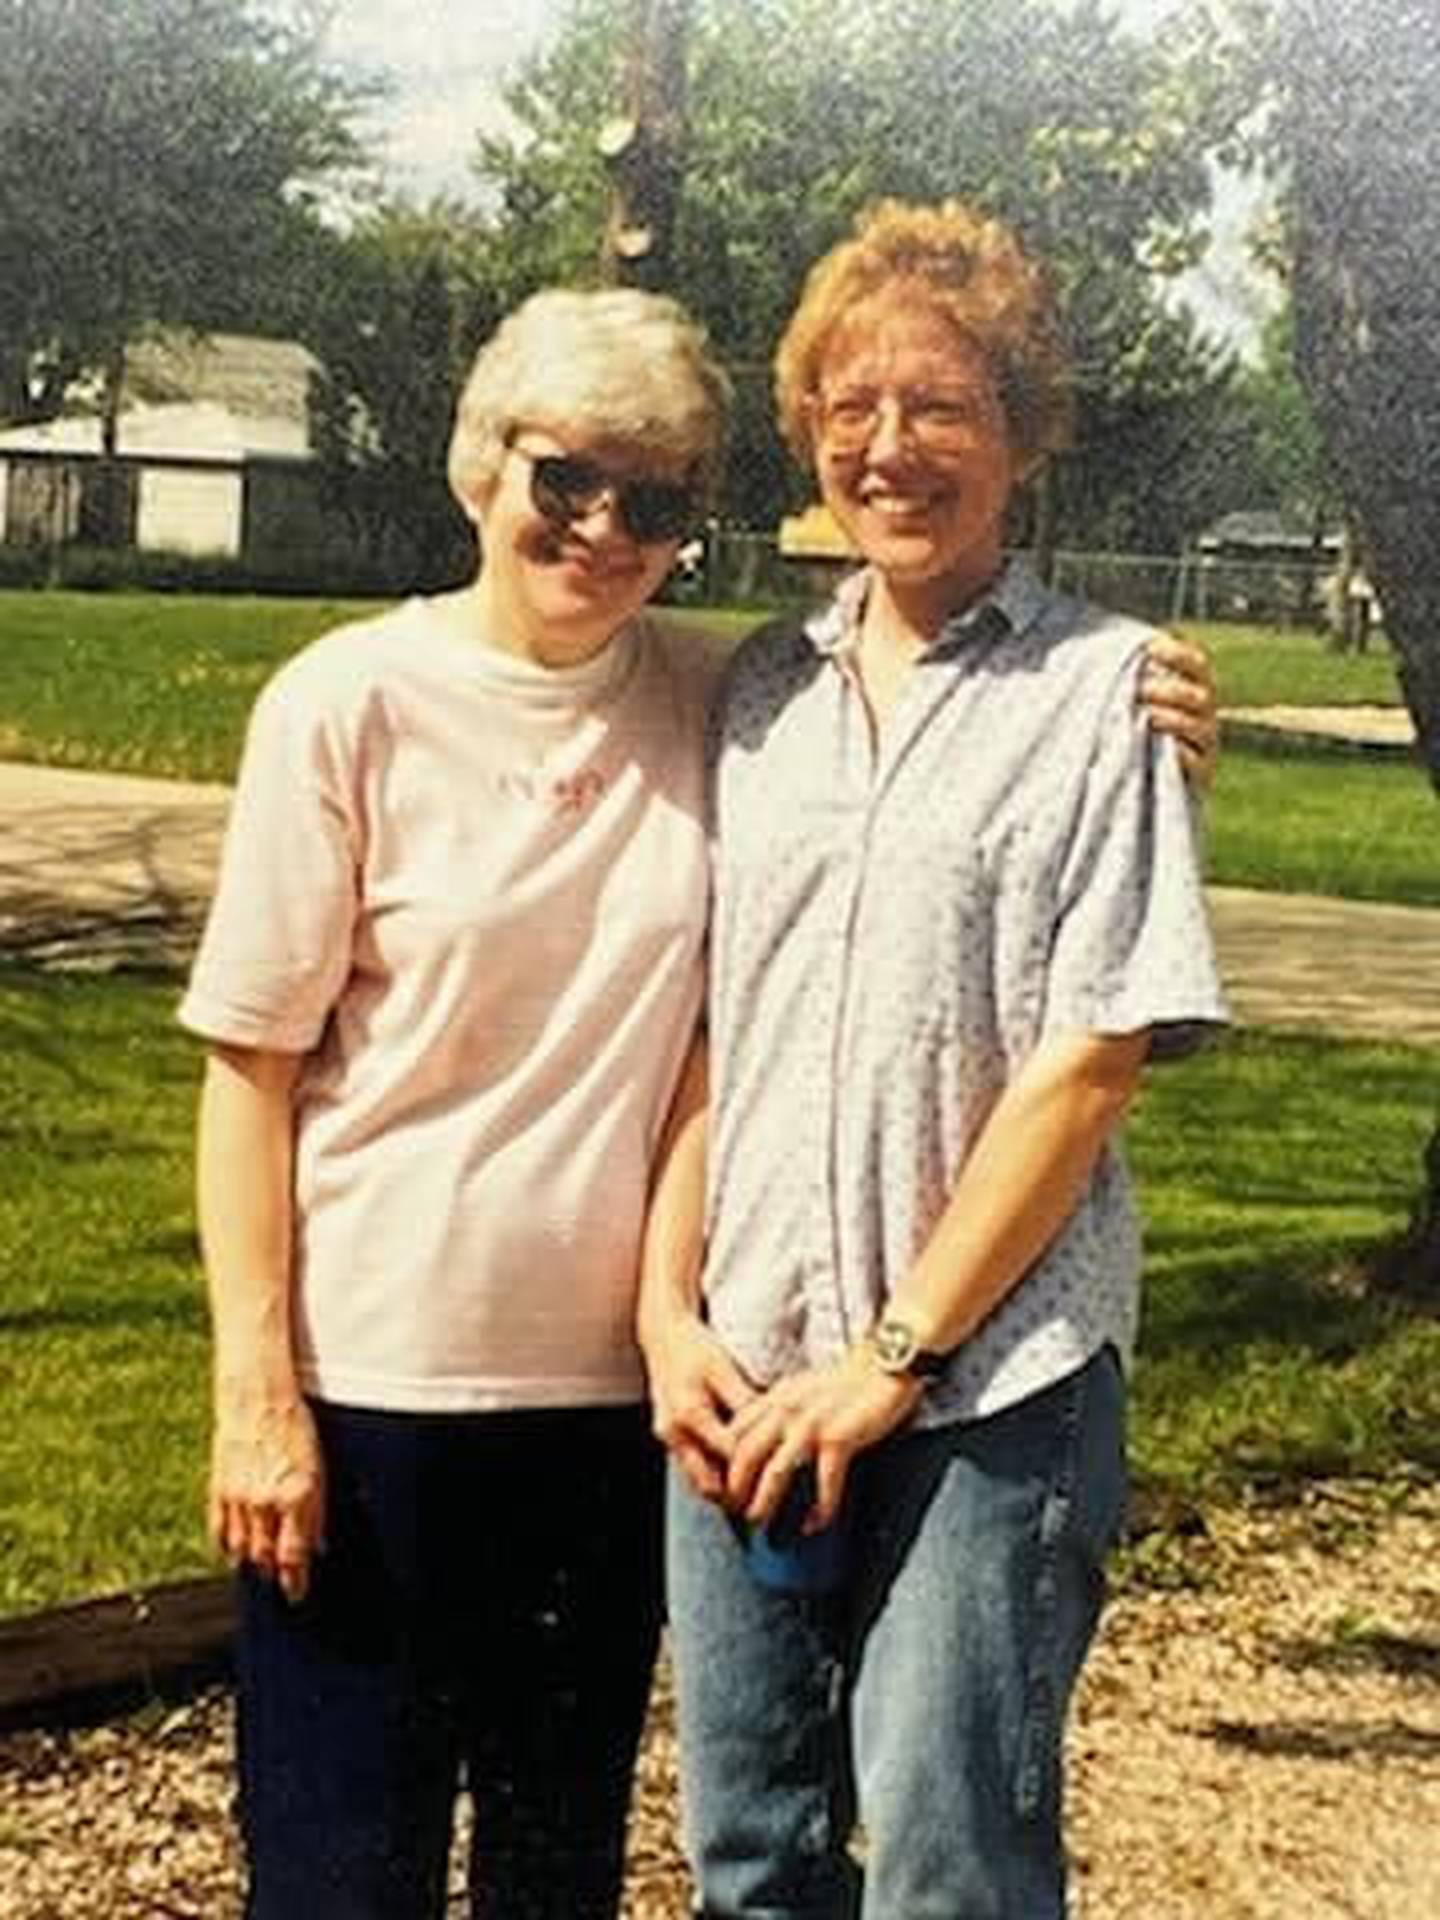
{"x":644,"y":148}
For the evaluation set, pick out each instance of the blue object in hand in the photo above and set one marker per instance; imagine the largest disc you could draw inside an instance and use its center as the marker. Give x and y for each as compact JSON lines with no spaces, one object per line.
{"x":782,"y":1556}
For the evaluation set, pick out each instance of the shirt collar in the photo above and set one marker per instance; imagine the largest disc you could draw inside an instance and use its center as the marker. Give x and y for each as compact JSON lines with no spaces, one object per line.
{"x":1010,"y":606}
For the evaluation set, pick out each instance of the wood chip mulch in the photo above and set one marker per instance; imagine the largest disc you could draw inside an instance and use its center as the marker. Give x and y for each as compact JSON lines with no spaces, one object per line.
{"x":1258,"y":1738}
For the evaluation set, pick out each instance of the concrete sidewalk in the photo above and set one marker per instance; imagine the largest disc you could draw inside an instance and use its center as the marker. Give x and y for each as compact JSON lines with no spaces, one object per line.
{"x":1387,"y":730}
{"x":1344,"y":966}
{"x":98,"y":870}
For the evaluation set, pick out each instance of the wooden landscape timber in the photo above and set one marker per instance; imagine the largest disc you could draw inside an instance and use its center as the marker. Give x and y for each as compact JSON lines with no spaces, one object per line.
{"x":77,"y":1662}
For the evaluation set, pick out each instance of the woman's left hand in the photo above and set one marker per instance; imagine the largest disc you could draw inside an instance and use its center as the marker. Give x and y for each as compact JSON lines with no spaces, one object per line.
{"x":1178,"y":689}
{"x":825,"y":1415}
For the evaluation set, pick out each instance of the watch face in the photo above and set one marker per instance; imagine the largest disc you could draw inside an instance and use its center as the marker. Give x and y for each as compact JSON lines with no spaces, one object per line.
{"x":894,"y":1344}
{"x":897,"y":1350}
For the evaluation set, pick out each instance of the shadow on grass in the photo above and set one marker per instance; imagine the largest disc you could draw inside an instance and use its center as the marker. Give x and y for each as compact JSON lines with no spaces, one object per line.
{"x":94,"y":1314}
{"x":1271,"y":1171}
{"x":1318,"y":750}
{"x":49,"y":1047}
{"x":1223,"y":1304}
{"x":76,"y":1042}
{"x":96,"y":1145}
{"x":1257,"y":1085}
{"x":1273,"y":1376}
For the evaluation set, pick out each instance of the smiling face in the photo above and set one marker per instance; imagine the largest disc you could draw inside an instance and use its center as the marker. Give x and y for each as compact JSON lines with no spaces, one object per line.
{"x":913,"y":453}
{"x":556,"y":589}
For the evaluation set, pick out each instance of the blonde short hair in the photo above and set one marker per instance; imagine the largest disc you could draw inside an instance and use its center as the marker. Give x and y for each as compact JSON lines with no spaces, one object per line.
{"x":614,"y":363}
{"x":969,"y":268}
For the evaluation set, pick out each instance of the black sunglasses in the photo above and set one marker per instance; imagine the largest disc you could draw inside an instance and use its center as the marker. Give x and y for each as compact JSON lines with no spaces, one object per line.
{"x":565,"y":487}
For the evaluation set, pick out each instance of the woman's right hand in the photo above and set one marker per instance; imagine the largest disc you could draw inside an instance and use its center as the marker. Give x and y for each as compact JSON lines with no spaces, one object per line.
{"x":267,"y":1485}
{"x":1178,"y":691}
{"x":696,"y":1390}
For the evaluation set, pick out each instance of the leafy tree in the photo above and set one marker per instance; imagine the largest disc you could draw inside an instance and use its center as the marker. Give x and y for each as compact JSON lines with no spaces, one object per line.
{"x":399,"y":306}
{"x":1166,"y":444}
{"x":1289,"y":467}
{"x":800,"y":111}
{"x":1358,"y":128}
{"x":159,"y":160}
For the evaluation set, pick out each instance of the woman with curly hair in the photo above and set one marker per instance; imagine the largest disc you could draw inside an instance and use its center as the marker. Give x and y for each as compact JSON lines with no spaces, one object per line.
{"x":957,"y":910}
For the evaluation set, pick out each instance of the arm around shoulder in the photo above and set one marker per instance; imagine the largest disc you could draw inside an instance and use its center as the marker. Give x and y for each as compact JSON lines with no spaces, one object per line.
{"x":1179,"y":693}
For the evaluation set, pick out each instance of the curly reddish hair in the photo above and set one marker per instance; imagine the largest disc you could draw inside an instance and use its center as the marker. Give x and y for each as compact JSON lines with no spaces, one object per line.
{"x":972,"y":270}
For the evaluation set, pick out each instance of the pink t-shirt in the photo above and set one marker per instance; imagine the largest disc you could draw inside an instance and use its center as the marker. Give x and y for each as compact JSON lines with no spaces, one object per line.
{"x":473,"y":892}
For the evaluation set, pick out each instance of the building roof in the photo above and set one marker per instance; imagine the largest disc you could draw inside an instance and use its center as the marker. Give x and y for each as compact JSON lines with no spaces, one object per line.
{"x":221,"y":397}
{"x":199,"y":431}
{"x":1265,"y":530}
{"x":814,"y":535}
{"x":254,"y":378}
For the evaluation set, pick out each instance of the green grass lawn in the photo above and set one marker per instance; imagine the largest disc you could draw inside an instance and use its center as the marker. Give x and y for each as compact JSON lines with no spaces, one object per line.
{"x":143,"y":683}
{"x":102,"y":1329}
{"x":160,"y":683}
{"x":1296,"y":819}
{"x":1272,"y":666}
{"x":1306,"y":818}
{"x":1267,"y":1166}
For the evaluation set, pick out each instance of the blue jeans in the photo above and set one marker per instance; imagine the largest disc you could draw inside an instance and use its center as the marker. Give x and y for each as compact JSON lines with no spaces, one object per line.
{"x":927,"y":1698}
{"x":487,"y":1607}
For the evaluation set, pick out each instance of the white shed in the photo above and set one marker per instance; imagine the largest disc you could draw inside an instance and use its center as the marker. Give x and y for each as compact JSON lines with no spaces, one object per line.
{"x":205,"y":414}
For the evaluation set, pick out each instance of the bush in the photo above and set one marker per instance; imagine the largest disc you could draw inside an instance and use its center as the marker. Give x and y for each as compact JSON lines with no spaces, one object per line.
{"x":24,"y":566}
{"x":127,"y":569}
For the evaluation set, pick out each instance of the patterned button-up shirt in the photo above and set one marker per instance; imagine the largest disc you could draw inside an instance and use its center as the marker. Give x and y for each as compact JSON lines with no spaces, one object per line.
{"x":900,"y":921}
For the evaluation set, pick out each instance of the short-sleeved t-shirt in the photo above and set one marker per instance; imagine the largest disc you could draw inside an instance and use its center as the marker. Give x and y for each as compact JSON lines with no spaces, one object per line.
{"x":472,"y":892}
{"x":896,"y":928}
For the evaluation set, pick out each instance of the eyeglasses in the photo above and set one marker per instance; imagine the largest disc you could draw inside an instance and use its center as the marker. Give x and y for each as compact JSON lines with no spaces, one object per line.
{"x":566,"y":487}
{"x":939,"y":420}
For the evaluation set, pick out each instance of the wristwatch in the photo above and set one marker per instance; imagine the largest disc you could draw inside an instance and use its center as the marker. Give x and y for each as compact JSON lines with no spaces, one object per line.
{"x":895,"y":1348}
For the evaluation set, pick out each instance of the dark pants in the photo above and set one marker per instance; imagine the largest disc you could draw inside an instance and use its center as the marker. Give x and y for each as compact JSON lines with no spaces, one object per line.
{"x":487,"y":1606}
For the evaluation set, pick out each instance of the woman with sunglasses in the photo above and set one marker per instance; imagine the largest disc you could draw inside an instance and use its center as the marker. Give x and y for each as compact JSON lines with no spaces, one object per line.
{"x":957,"y":908}
{"x":448,"y":984}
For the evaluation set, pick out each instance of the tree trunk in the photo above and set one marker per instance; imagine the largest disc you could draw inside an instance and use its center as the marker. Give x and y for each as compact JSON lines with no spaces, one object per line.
{"x":1364,"y":147}
{"x":645,"y":149}
{"x":107,"y":515}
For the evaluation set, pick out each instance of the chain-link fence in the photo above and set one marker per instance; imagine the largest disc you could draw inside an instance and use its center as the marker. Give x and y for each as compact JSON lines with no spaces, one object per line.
{"x":747,"y":569}
{"x":1287,"y":591}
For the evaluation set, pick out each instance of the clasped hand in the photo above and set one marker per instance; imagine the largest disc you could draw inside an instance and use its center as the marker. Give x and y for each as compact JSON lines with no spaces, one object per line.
{"x":739,"y":1445}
